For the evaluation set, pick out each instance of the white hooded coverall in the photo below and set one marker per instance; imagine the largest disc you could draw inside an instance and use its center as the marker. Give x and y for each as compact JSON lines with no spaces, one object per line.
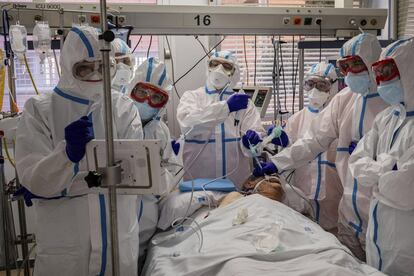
{"x":318,"y":180}
{"x":347,"y":118}
{"x":390,"y":240}
{"x":213,"y":147}
{"x":72,"y":233}
{"x":154,"y":72}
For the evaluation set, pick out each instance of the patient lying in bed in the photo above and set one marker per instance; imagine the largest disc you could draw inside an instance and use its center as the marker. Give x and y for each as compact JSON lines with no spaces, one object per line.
{"x":270,"y":188}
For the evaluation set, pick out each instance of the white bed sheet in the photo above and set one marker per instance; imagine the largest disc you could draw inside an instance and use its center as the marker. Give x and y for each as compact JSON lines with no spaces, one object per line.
{"x":304,"y":247}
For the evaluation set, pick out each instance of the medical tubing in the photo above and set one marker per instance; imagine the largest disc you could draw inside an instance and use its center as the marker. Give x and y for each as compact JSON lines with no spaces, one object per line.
{"x":6,"y":149}
{"x":30,"y":74}
{"x":201,"y":59}
{"x":172,"y":67}
{"x":290,"y":175}
{"x":255,"y":59}
{"x":56,"y":62}
{"x":136,"y":45}
{"x":200,"y":237}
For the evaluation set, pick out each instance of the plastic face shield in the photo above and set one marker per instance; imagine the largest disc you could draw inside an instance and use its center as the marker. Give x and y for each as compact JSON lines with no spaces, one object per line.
{"x":146,"y":92}
{"x":91,"y":71}
{"x":353,"y":64}
{"x":321,"y":83}
{"x":228,"y":66}
{"x":385,"y":70}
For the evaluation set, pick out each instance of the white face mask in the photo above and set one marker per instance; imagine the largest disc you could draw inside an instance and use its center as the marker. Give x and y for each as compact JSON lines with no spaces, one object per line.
{"x":218,"y":77}
{"x":317,"y":98}
{"x":123,"y":74}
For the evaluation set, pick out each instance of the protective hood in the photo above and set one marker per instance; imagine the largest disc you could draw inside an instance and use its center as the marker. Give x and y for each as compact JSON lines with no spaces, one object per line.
{"x":402,"y":51}
{"x":124,"y":73}
{"x":229,"y":56}
{"x":154,"y":72}
{"x":368,"y":48}
{"x":325,"y":70}
{"x":81,"y":44}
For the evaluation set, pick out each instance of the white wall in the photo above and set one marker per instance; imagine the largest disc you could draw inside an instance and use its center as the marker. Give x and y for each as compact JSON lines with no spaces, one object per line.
{"x":185,"y":52}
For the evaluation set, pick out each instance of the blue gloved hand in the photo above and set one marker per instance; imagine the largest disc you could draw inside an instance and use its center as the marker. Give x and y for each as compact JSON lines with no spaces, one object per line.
{"x":395,"y":168}
{"x":352,"y":147}
{"x":77,"y":135}
{"x":252,"y":137}
{"x":175,"y":146}
{"x":282,"y":141}
{"x":237,"y":102}
{"x":267,"y":168}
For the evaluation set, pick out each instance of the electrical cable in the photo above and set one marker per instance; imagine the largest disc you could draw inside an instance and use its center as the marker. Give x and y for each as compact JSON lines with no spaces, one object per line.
{"x":201,"y":237}
{"x":275,"y":104}
{"x":245,"y":59}
{"x":149,"y":47}
{"x":255,"y":59}
{"x":293,"y":75}
{"x":30,"y":74}
{"x":172,"y":67}
{"x":136,"y":45}
{"x":202,"y":45}
{"x":201,"y":59}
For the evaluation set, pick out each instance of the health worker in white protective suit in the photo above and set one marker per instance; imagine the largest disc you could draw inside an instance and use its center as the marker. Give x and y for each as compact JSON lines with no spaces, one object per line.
{"x":384,"y":160}
{"x":347,"y":118}
{"x":318,"y":180}
{"x":219,"y":124}
{"x":72,"y":224}
{"x":150,"y":90}
{"x":125,"y":65}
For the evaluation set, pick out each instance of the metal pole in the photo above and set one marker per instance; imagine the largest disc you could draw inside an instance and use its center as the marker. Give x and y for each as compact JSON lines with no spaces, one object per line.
{"x":301,"y":76}
{"x":110,"y":157}
{"x":276,"y":76}
{"x":5,"y":218}
{"x":20,"y":202}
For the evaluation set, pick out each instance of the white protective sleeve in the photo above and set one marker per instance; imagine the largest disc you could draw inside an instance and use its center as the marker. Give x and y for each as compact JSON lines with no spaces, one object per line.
{"x":43,"y":168}
{"x":322,"y":132}
{"x":192,"y":115}
{"x":364,"y":165}
{"x":396,"y":188}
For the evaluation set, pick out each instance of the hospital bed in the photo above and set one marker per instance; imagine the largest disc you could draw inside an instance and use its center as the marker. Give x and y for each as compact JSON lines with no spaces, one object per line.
{"x":274,"y":240}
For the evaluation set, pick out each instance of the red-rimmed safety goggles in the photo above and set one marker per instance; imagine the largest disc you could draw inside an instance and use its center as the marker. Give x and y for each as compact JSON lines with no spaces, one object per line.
{"x":353,"y":64}
{"x":155,"y":96}
{"x":385,"y":70}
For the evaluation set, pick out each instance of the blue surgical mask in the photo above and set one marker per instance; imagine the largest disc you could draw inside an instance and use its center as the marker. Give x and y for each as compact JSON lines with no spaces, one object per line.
{"x":358,"y":83}
{"x":146,"y":112}
{"x":391,"y":92}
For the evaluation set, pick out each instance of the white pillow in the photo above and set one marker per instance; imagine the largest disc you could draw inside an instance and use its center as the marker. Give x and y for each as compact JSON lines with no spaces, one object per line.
{"x":176,"y":203}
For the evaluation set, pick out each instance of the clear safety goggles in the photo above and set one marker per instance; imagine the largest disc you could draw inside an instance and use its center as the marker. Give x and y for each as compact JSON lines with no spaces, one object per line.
{"x":155,"y":96}
{"x":353,"y":64}
{"x":227,"y":66}
{"x":385,"y":70}
{"x":126,"y":59}
{"x":91,"y":70}
{"x":318,"y":82}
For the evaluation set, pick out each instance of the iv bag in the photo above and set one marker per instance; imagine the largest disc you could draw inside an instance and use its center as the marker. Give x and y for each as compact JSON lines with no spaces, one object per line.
{"x":42,"y":39}
{"x":18,"y":39}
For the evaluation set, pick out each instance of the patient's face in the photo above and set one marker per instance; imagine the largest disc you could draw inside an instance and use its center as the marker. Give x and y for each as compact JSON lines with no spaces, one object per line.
{"x":270,"y":188}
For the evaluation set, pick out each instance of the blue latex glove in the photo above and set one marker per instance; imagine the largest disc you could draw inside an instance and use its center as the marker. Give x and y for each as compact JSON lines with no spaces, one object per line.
{"x":267,"y":168}
{"x":175,"y":146}
{"x":352,"y":147}
{"x":237,"y":102}
{"x":28,"y":196}
{"x":282,"y":141}
{"x":77,"y":135}
{"x":395,"y":168}
{"x":252,"y":137}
